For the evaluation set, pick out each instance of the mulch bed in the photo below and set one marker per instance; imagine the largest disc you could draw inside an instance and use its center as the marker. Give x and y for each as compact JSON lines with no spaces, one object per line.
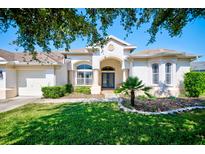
{"x":165,"y":104}
{"x":79,"y":95}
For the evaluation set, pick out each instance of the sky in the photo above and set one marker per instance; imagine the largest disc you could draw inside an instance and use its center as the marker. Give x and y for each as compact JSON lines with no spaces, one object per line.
{"x":191,"y":41}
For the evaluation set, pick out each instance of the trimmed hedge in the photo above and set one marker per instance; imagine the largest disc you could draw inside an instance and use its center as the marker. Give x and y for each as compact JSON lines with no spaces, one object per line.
{"x":83,"y":90}
{"x":69,"y":88}
{"x":194,"y":84}
{"x":54,"y":91}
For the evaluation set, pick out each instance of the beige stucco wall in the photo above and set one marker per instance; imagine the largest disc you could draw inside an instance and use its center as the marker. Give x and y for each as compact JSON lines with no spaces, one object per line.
{"x":61,"y":74}
{"x":182,"y":67}
{"x":118,"y":53}
{"x":11,"y":82}
{"x":139,"y":68}
{"x":143,"y":69}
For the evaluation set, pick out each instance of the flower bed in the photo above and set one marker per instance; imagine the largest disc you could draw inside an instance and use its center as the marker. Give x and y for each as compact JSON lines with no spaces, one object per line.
{"x":164,"y":104}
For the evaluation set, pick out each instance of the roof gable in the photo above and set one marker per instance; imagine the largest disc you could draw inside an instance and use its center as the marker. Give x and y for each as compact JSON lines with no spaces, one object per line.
{"x":119,"y":40}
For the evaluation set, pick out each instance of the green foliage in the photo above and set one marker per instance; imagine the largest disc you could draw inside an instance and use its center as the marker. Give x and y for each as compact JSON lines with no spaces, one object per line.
{"x":97,"y":123}
{"x":133,"y":83}
{"x":60,"y":27}
{"x":142,"y":97}
{"x":172,"y":97}
{"x":83,"y":89}
{"x":54,"y":91}
{"x":152,"y":97}
{"x":194,"y":84}
{"x":69,"y":88}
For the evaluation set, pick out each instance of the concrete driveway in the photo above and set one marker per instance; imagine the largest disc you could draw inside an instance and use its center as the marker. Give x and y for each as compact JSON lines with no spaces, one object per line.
{"x":9,"y":104}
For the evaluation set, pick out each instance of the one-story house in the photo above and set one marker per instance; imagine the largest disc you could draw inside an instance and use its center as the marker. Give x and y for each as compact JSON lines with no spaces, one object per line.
{"x":102,"y":68}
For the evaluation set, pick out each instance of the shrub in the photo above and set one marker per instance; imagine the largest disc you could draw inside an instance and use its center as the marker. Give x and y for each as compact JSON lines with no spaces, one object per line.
{"x":152,"y":97}
{"x":194,"y":84}
{"x":142,"y":97}
{"x":83,"y":90}
{"x":54,"y":91}
{"x":172,"y":98}
{"x":69,"y":88}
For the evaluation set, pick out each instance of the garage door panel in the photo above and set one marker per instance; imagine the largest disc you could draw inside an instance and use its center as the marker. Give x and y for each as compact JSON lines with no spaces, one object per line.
{"x":30,"y":82}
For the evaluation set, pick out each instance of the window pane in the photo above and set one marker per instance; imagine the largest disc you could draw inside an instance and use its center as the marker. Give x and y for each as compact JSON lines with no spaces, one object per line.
{"x":80,"y":75}
{"x":84,"y":78}
{"x":155,"y":78}
{"x":88,"y":78}
{"x":168,"y":78}
{"x":168,"y":73}
{"x":80,"y":81}
{"x":84,"y":66}
{"x":168,"y":68}
{"x":88,"y":74}
{"x":155,"y":68}
{"x":155,"y":73}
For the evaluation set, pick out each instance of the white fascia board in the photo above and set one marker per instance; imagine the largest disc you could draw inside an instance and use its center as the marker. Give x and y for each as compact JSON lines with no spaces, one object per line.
{"x":119,"y":40}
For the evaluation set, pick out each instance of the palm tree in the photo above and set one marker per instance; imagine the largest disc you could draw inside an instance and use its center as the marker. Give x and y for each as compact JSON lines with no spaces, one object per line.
{"x":130,"y":86}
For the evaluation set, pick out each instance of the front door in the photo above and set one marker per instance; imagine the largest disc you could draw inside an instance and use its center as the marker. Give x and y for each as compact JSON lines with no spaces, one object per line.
{"x":108,"y":80}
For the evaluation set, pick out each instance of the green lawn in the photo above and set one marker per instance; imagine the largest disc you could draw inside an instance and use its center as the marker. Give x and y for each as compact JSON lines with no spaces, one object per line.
{"x":97,"y":123}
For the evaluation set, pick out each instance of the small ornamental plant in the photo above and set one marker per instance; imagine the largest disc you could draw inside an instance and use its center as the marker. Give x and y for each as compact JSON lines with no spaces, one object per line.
{"x":131,"y":86}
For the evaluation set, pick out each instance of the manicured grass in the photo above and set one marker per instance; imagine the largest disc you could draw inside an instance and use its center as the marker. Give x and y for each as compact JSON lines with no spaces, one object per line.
{"x":97,"y":123}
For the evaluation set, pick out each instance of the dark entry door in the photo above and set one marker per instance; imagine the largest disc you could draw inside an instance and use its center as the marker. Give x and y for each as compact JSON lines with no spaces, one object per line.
{"x":108,"y":80}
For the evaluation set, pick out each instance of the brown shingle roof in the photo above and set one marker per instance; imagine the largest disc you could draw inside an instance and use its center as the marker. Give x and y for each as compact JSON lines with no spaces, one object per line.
{"x":42,"y":58}
{"x":160,"y":52}
{"x":77,"y":51}
{"x":8,"y":56}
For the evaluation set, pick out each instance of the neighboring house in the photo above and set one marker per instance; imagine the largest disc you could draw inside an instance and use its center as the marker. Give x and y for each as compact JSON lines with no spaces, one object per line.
{"x":102,"y":68}
{"x":198,"y":66}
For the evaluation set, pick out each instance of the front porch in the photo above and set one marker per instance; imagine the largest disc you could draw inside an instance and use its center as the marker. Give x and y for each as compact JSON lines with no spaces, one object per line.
{"x":108,"y":76}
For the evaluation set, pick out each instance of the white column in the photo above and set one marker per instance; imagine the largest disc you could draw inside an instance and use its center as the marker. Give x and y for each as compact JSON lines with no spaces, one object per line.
{"x":71,"y":77}
{"x":96,"y":77}
{"x":96,"y":88}
{"x":125,"y":74}
{"x":74,"y":77}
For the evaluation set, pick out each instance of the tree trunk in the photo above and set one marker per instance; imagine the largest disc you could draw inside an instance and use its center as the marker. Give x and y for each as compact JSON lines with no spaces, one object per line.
{"x":132,"y":98}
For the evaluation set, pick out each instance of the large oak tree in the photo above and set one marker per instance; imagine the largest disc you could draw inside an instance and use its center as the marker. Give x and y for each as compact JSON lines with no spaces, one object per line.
{"x":60,"y":27}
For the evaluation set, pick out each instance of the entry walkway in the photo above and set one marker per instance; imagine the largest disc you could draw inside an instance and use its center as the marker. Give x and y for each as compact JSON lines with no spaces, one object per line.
{"x":9,"y":104}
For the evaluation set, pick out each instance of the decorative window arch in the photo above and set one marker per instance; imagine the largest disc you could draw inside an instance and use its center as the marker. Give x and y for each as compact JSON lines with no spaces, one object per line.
{"x":155,"y":73}
{"x":168,"y":73}
{"x":108,"y":68}
{"x":84,"y":74}
{"x":84,"y":66}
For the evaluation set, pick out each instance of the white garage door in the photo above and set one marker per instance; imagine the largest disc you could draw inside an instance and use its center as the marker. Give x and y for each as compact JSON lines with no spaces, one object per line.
{"x":30,"y":82}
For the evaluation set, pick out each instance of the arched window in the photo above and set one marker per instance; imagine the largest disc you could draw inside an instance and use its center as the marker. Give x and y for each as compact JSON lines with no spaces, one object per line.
{"x":155,"y":73}
{"x":108,"y":68}
{"x":84,"y":66}
{"x":84,"y":74}
{"x":168,"y":73}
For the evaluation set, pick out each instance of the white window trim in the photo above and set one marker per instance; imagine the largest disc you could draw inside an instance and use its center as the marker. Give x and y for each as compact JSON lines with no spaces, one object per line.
{"x":152,"y":83}
{"x":171,"y":74}
{"x":83,"y":70}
